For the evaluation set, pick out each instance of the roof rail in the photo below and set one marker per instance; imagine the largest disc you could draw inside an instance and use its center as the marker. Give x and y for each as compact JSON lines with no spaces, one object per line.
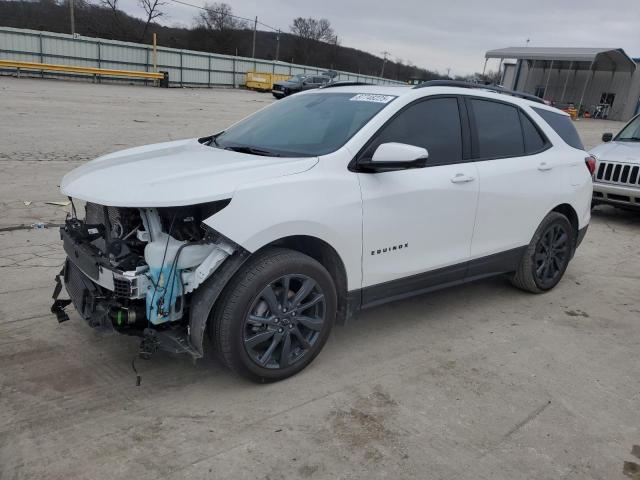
{"x":491,"y":88}
{"x":344,"y":84}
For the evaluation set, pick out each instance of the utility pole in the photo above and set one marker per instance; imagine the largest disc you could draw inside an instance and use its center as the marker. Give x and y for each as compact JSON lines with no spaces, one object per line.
{"x":72,"y":18}
{"x":253,"y":50}
{"x":277,"y":45}
{"x":335,"y":51}
{"x":384,"y":62}
{"x":155,"y":52}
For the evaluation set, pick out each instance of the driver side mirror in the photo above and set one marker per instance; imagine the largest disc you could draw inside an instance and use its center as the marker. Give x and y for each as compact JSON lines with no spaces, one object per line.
{"x":396,"y":156}
{"x":607,"y":137}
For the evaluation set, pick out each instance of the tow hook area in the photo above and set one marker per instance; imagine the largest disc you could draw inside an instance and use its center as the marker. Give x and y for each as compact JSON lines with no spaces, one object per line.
{"x":59,"y":304}
{"x":149,"y":344}
{"x":174,"y":340}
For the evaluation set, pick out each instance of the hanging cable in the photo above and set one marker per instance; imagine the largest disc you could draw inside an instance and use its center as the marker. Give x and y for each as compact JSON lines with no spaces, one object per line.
{"x":225,"y":13}
{"x":135,"y":370}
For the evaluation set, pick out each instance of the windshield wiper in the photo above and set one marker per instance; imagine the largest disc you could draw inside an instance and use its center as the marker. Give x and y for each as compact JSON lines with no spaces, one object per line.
{"x":253,"y":151}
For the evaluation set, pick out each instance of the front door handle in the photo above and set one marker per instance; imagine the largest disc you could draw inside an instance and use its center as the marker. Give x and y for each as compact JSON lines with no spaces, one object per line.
{"x":544,"y":166}
{"x":462,"y":178}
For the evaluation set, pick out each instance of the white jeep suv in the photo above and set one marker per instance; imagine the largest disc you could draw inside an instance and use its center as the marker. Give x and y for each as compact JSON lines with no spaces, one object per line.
{"x":617,"y":179}
{"x":327,"y":202}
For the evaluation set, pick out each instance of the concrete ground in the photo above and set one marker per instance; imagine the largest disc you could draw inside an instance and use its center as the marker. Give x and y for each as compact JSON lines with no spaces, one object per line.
{"x":477,"y":382}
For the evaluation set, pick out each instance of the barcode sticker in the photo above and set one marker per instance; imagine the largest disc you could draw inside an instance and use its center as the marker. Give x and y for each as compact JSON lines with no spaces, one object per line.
{"x":372,"y":97}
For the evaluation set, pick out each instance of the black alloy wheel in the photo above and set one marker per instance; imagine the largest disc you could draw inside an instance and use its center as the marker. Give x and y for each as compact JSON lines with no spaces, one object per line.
{"x":275,"y":315}
{"x":552,"y":255}
{"x":284,"y":321}
{"x":547,"y":256}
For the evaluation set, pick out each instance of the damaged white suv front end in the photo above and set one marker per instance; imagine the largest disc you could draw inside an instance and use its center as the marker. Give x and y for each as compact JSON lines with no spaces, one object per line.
{"x":130,"y":269}
{"x":142,"y":247}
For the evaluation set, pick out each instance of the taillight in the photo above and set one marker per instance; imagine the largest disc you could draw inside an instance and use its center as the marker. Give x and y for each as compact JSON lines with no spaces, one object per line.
{"x":591,"y":164}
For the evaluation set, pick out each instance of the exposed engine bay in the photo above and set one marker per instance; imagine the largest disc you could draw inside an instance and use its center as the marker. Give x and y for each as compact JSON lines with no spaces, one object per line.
{"x":133,"y":270}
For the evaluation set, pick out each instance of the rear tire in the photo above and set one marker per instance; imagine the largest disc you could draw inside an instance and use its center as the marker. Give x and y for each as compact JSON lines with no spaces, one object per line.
{"x":547,"y":256}
{"x":275,"y":315}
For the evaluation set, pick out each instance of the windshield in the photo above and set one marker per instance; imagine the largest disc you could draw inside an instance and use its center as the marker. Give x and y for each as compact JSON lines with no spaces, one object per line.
{"x":303,"y":125}
{"x":297,"y":78}
{"x":630,"y":133}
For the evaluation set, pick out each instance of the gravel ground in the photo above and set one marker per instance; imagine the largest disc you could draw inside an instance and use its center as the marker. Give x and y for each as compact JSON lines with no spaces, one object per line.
{"x":477,"y":382}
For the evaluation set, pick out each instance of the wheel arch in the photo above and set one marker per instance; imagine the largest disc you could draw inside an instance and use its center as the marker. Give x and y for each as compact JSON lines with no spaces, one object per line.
{"x":568,"y":211}
{"x":206,"y":298}
{"x":327,"y":256}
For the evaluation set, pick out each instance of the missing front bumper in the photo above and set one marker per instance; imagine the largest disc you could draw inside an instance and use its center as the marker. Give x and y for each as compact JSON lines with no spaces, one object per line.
{"x":83,"y":294}
{"x":94,"y":309}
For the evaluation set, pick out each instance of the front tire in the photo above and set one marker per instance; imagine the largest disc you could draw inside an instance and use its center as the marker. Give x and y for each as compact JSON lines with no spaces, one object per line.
{"x":275,"y":315}
{"x":547,"y":256}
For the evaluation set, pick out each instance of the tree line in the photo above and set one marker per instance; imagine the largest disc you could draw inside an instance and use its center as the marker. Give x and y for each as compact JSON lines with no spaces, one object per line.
{"x":215,"y":29}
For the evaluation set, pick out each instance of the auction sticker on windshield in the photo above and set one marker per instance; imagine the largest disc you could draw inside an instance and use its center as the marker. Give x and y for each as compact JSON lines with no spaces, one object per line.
{"x":372,"y":97}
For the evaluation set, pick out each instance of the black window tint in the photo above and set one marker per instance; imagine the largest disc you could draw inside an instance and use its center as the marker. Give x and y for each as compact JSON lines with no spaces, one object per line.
{"x":533,"y":139}
{"x":499,"y":131}
{"x":433,"y":124}
{"x":563,"y":126}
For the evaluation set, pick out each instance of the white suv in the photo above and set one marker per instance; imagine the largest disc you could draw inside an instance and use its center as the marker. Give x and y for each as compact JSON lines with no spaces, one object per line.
{"x":317,"y":206}
{"x":617,"y":180}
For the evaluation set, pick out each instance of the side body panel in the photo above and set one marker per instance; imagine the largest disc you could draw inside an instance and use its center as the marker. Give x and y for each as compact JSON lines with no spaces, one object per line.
{"x":514,"y":198}
{"x":517,"y":193}
{"x":323,"y":202}
{"x":416,"y":220}
{"x":577,"y":189}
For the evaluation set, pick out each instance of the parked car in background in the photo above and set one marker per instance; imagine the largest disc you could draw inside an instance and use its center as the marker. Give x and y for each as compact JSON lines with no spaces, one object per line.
{"x":617,"y":177}
{"x":299,"y":83}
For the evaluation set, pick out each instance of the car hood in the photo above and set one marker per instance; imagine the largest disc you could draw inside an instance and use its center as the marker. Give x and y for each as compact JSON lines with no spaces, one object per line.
{"x":286,"y":83}
{"x":173,"y":174}
{"x":627,"y":152}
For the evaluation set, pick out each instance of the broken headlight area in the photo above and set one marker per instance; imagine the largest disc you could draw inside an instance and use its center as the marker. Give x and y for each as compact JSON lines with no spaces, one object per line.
{"x":133,"y":270}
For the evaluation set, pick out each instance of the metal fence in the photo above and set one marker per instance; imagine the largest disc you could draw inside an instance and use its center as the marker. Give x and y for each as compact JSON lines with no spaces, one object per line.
{"x":185,"y":67}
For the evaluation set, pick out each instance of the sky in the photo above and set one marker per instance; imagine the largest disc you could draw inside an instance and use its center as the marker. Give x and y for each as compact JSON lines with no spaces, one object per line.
{"x":450,"y":34}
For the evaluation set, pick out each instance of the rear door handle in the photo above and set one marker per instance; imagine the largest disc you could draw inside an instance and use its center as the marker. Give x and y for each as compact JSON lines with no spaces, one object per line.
{"x":544,"y":166}
{"x":462,"y":178}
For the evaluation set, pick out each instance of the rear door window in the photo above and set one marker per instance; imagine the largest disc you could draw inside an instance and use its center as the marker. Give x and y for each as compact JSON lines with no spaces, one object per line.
{"x":534,"y":140}
{"x":498,"y":130}
{"x":562,"y":125}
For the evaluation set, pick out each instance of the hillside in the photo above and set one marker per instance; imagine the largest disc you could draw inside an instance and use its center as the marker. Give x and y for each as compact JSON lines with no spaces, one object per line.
{"x":97,"y":21}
